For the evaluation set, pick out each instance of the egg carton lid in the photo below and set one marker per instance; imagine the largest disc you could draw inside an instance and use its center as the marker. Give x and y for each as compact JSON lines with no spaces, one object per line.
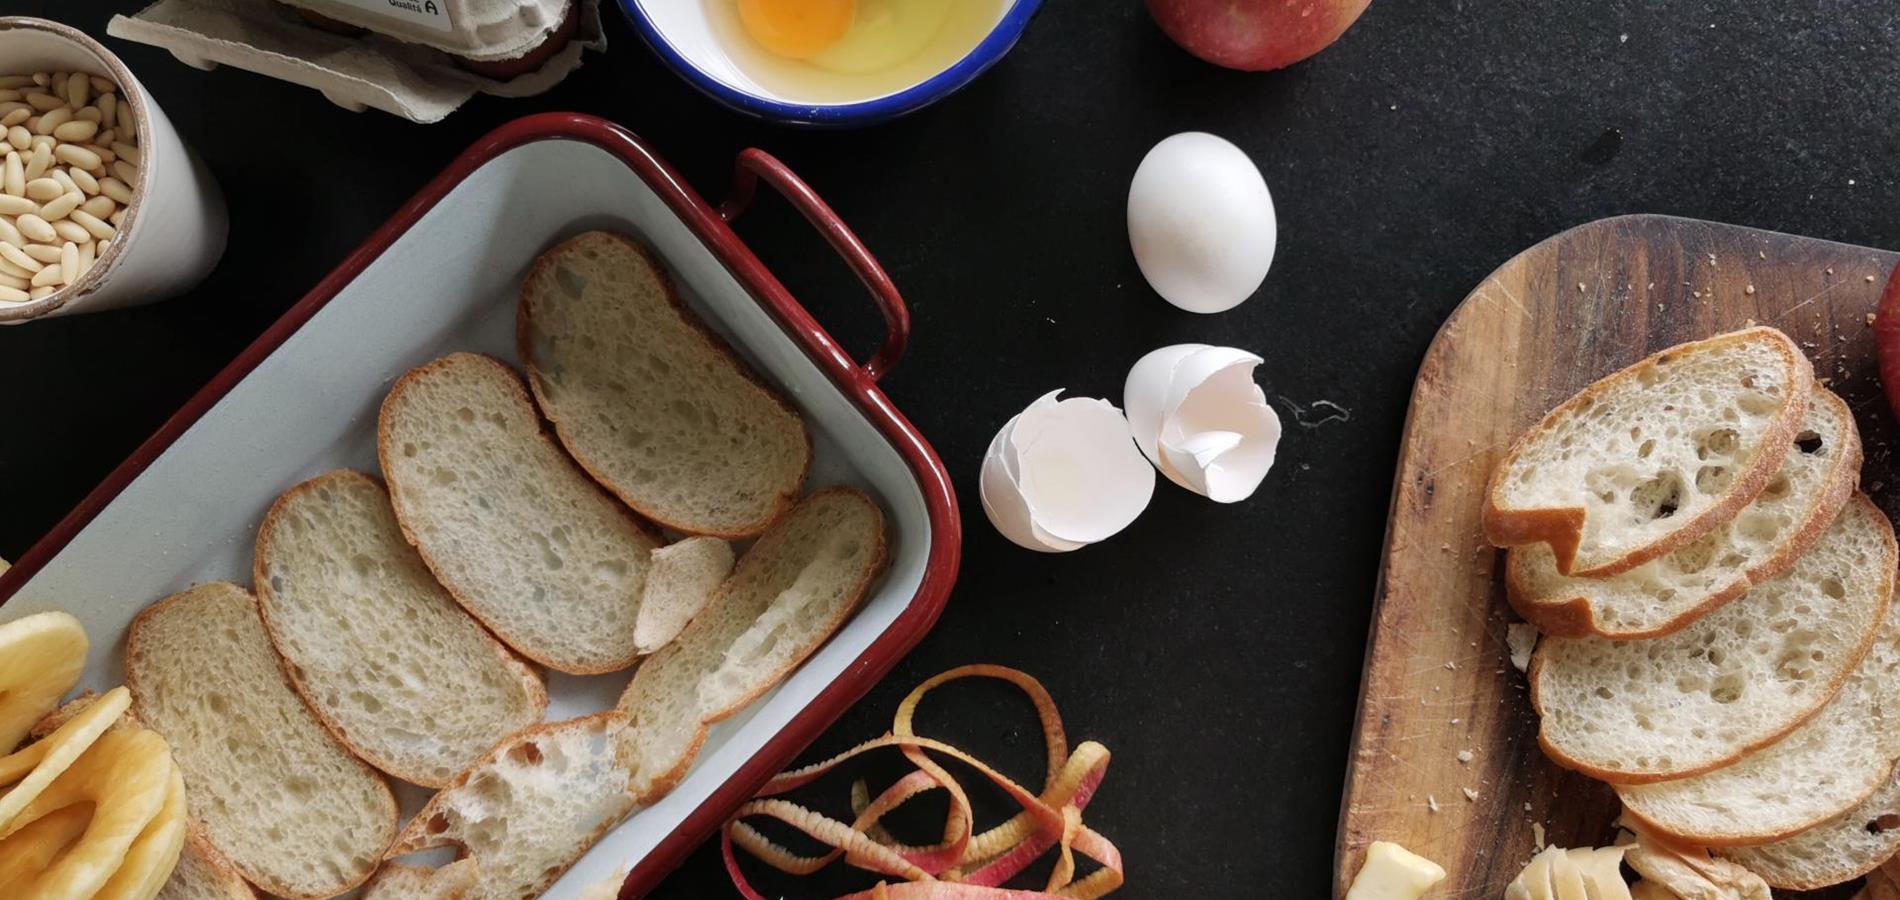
{"x":481,"y":30}
{"x":415,"y":82}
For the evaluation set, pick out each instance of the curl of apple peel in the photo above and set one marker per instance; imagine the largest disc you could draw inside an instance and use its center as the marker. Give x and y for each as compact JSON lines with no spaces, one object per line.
{"x":964,"y":864}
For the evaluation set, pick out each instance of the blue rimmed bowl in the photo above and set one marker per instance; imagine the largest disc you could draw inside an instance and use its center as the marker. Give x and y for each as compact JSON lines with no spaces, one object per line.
{"x":693,"y":39}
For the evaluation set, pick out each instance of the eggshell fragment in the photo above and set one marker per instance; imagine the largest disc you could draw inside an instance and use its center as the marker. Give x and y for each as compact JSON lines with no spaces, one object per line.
{"x":1198,"y":416}
{"x":1063,"y":474}
{"x":1201,"y":222}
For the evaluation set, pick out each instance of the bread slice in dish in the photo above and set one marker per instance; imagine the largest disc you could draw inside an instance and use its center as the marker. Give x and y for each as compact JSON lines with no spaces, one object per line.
{"x":530,"y":807}
{"x":395,"y":881}
{"x":1841,"y":849}
{"x":519,"y":535}
{"x":679,"y":584}
{"x":788,"y":593}
{"x":203,"y":874}
{"x":1649,"y":459}
{"x":647,"y":400}
{"x":1820,"y":770}
{"x":389,"y":663}
{"x":1671,"y":591}
{"x":1633,"y":712}
{"x":267,"y":785}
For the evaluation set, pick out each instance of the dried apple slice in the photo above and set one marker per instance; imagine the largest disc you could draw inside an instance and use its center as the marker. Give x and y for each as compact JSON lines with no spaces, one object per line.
{"x":25,"y":774}
{"x":41,"y":658}
{"x":125,"y":775}
{"x":153,"y":855}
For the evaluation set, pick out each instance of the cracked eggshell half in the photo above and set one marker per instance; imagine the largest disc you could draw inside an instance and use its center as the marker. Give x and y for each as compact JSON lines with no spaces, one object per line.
{"x":1201,"y":222}
{"x":1063,"y":474}
{"x":1198,"y":416}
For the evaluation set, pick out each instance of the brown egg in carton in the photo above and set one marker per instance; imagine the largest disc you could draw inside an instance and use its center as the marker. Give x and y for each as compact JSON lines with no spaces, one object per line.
{"x":419,"y":59}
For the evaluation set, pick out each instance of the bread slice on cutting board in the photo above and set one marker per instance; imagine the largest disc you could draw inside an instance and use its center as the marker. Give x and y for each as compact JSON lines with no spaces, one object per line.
{"x":787,"y":594}
{"x":204,"y":874}
{"x":530,"y":807}
{"x":681,"y":581}
{"x":646,"y":398}
{"x":395,"y":881}
{"x":1647,"y":460}
{"x":1669,"y":592}
{"x":1841,"y":849}
{"x":1820,"y":770}
{"x":1633,"y":712}
{"x":380,"y":652}
{"x":267,"y":785}
{"x":520,"y":536}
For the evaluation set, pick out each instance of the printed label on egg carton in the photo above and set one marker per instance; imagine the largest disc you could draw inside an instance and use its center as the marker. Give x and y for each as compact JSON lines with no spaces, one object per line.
{"x":419,"y":83}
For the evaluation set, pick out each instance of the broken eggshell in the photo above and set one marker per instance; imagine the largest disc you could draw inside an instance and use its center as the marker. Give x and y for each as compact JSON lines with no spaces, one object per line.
{"x":1198,"y":416}
{"x":1062,"y":474}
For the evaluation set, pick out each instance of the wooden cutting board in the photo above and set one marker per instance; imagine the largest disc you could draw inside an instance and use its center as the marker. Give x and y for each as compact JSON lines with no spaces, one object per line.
{"x":1438,"y":682}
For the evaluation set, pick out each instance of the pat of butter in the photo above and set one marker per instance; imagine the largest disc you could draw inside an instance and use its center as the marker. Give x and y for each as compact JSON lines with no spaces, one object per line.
{"x":1392,"y":872}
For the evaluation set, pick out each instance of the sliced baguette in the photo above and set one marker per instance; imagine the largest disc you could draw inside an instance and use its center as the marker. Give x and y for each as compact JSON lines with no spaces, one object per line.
{"x":649,"y":401}
{"x":530,"y":807}
{"x":1668,"y":593}
{"x":269,"y":787}
{"x":204,"y":874}
{"x":1649,"y":459}
{"x":788,"y":593}
{"x":519,"y":535}
{"x":1632,"y":712}
{"x":681,"y":580}
{"x":1841,"y":849}
{"x":395,"y":881}
{"x":383,"y":656}
{"x":1820,"y":770}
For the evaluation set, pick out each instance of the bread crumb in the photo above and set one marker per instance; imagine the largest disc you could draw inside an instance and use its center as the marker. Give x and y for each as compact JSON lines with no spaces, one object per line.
{"x":1527,"y":806}
{"x":1537,"y":834}
{"x":1431,"y":803}
{"x":1471,"y":796}
{"x":1762,"y":253}
{"x":1451,"y":665}
{"x":1870,"y":318}
{"x":1464,"y":756}
{"x":1579,"y":287}
{"x":1830,"y":270}
{"x":1749,"y":290}
{"x":1454,"y":721}
{"x":1870,"y":279}
{"x":1520,"y":638}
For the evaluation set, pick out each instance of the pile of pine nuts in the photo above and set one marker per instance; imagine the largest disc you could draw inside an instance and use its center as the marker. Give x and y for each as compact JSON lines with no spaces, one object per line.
{"x":72,"y":161}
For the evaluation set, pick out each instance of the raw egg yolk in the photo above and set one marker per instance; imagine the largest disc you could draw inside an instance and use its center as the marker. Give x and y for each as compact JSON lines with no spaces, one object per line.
{"x":799,"y":29}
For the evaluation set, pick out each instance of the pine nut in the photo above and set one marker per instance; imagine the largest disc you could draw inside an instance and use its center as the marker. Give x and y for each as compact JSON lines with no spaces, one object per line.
{"x":20,"y":261}
{"x":69,"y":262}
{"x":83,"y":180}
{"x":36,"y":229}
{"x":42,"y":78}
{"x":108,"y":109}
{"x":15,"y":82}
{"x":18,"y":284}
{"x":9,"y":95}
{"x":54,"y":119}
{"x":78,"y":90}
{"x":117,"y":219}
{"x":42,"y":291}
{"x":80,"y":131}
{"x":102,"y":85}
{"x":43,"y":102}
{"x":15,"y":116}
{"x":99,"y":207}
{"x":13,"y":206}
{"x":66,"y":182}
{"x":38,"y":162}
{"x":85,"y":220}
{"x":106,"y":137}
{"x":49,"y":275}
{"x":19,"y":137}
{"x":61,"y":206}
{"x":125,"y":172}
{"x":85,"y":257}
{"x":116,"y":189}
{"x":43,"y":189}
{"x":10,"y":270}
{"x":45,"y":253}
{"x":57,"y":87}
{"x":128,"y":153}
{"x":90,"y":114}
{"x":13,"y":180}
{"x":105,"y":154}
{"x":14,"y":295}
{"x":78,"y":156}
{"x":68,"y":230}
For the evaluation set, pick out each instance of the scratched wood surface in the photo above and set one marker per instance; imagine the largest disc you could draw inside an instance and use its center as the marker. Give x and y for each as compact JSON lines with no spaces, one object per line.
{"x":1438,"y":685}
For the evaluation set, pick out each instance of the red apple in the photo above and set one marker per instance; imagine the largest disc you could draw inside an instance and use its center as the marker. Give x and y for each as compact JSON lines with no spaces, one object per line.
{"x":1255,"y":35}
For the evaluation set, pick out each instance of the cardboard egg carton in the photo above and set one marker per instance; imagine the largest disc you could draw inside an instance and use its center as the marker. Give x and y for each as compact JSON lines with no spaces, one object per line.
{"x":476,"y":29}
{"x":417,"y":81}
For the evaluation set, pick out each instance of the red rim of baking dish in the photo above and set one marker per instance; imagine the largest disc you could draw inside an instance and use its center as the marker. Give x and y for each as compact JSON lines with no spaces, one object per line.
{"x":710,"y":225}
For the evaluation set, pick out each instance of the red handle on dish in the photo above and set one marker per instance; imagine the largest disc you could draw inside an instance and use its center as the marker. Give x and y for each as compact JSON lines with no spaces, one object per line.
{"x":755,"y":164}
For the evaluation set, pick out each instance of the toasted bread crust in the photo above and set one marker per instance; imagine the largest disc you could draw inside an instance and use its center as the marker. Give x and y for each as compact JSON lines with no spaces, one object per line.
{"x":1576,"y":616}
{"x":1556,"y":755}
{"x":714,"y":343}
{"x":134,"y":649}
{"x":230,"y":882}
{"x":1562,"y":527}
{"x":1738,"y":837}
{"x":417,"y":836}
{"x":460,"y":592}
{"x":260,"y":561}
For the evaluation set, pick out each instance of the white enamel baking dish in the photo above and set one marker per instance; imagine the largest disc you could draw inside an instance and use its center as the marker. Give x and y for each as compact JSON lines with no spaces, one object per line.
{"x":443,"y":275}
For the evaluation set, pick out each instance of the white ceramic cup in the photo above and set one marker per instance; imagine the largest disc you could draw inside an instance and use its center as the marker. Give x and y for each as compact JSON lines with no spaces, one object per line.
{"x":174,"y":228}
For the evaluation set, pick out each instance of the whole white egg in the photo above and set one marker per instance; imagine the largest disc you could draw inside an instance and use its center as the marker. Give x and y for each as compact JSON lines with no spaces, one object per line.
{"x":1201,"y":222}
